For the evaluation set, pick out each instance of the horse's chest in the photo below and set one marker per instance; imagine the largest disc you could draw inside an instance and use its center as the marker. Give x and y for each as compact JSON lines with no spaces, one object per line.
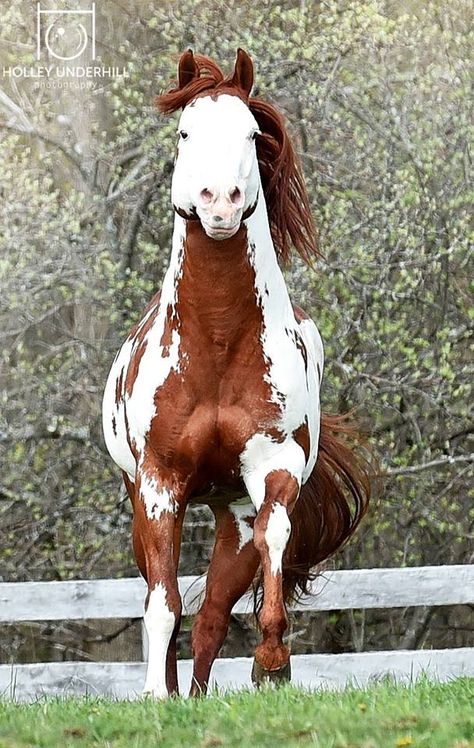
{"x":209,"y":409}
{"x":198,"y":404}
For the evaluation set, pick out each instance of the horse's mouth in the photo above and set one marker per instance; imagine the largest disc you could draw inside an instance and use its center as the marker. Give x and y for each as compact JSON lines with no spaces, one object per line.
{"x":219,"y":232}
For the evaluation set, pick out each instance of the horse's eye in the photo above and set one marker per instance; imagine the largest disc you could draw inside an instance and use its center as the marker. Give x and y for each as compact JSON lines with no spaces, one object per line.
{"x":183,"y":134}
{"x":253,"y":135}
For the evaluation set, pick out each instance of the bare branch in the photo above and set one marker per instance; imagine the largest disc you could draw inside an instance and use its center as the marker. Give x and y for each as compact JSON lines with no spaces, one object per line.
{"x":134,"y":226}
{"x":35,"y":433}
{"x":442,"y":462}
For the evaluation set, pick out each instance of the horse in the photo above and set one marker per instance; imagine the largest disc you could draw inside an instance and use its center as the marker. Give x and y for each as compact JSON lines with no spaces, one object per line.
{"x":214,"y":395}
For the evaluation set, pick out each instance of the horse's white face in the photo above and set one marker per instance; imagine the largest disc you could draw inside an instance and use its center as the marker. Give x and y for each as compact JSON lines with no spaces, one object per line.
{"x":216,"y":171}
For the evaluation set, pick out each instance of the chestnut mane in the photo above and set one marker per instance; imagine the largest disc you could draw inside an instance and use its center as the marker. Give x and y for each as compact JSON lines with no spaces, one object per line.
{"x":285,"y":192}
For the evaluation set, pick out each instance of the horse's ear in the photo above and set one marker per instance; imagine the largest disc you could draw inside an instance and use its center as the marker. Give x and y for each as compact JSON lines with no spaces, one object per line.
{"x":187,"y":68}
{"x":243,"y":72}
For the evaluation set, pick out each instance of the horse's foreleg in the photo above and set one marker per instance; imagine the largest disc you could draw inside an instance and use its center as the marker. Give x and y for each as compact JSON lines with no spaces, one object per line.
{"x":171,"y":663}
{"x":233,"y":565}
{"x":271,"y":532}
{"x":158,"y":516}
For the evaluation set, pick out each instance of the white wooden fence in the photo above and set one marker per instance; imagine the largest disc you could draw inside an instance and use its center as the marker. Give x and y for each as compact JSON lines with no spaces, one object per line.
{"x":123,"y":598}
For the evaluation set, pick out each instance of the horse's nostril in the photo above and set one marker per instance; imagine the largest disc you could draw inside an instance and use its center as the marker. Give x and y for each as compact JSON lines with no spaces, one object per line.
{"x":235,"y":195}
{"x":217,"y":219}
{"x":206,"y":195}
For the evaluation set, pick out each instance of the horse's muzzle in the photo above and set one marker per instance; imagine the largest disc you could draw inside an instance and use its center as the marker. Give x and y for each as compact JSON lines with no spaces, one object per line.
{"x":220,"y":232}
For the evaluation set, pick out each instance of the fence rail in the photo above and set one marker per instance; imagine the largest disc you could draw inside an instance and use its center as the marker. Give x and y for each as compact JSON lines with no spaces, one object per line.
{"x":334,"y":590}
{"x":337,"y":590}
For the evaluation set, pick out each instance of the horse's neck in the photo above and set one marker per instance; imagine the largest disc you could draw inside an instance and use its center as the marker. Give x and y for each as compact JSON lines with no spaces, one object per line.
{"x":269,"y":281}
{"x":221,"y":284}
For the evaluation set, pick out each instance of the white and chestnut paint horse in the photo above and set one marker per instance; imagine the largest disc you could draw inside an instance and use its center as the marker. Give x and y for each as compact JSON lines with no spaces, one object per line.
{"x":214,"y":396}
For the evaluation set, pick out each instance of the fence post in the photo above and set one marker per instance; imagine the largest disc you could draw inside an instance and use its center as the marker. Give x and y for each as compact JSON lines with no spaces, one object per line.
{"x":144,"y":642}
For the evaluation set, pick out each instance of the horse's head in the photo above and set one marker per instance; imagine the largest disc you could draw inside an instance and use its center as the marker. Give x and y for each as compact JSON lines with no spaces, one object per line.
{"x":230,"y":145}
{"x":216,"y":173}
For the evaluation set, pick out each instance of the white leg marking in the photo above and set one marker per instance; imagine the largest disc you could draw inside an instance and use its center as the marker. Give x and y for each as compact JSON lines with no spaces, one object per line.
{"x":241,"y":514}
{"x":159,"y":622}
{"x":277,"y":534}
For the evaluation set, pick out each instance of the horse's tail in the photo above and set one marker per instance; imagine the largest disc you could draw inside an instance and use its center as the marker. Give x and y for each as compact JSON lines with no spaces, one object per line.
{"x":330,"y":506}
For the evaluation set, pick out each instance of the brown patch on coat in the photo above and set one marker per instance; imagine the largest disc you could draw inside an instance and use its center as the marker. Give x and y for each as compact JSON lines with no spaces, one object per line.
{"x":171,"y":325}
{"x":139,"y":348}
{"x":118,"y":387}
{"x":302,"y":437}
{"x":299,"y":344}
{"x":275,"y":434}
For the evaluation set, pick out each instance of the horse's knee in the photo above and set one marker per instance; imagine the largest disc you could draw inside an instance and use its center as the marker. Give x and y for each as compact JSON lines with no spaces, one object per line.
{"x":276,"y":535}
{"x":271,"y":532}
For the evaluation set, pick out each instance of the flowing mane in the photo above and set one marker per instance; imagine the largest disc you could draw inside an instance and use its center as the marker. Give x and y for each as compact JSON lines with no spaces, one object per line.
{"x":285,"y":192}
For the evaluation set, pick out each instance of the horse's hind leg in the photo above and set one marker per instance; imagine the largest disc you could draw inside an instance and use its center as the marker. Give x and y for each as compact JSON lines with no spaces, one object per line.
{"x":158,"y":514}
{"x":233,"y":565}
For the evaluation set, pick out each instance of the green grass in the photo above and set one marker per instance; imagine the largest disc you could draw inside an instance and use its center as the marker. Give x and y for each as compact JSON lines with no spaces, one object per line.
{"x":385,"y":715}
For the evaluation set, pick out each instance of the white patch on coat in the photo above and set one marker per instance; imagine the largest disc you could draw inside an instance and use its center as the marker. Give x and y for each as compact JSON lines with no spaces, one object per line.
{"x":276,"y":535}
{"x":159,"y":622}
{"x":218,"y":155}
{"x":112,"y":412}
{"x":157,"y":500}
{"x":241,"y":514}
{"x":261,"y":456}
{"x":153,"y":370}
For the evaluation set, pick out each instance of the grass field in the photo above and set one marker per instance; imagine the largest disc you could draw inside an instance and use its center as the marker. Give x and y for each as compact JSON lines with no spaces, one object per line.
{"x":385,"y":715}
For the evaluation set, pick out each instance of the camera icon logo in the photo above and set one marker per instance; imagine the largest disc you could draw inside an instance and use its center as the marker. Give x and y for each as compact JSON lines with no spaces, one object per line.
{"x":66,"y":33}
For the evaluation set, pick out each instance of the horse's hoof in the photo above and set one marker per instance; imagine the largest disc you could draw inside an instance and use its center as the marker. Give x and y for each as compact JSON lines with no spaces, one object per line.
{"x":260,"y":675}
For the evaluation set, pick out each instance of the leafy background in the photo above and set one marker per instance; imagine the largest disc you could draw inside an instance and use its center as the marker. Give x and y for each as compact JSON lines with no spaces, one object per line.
{"x":378,"y":99}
